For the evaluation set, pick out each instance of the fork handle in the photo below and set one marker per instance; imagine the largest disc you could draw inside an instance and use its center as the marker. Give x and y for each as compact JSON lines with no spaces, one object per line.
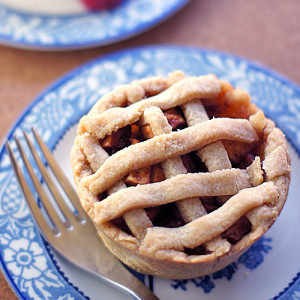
{"x":117,"y":275}
{"x":130,"y":284}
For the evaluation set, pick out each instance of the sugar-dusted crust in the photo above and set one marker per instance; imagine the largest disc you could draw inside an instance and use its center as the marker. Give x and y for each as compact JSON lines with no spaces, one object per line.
{"x":257,"y":192}
{"x":167,"y":146}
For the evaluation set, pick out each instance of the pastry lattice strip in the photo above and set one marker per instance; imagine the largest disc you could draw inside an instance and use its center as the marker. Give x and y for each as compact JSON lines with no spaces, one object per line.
{"x":211,"y":225}
{"x":213,"y":155}
{"x":183,"y":91}
{"x":136,"y":219}
{"x":166,"y":146}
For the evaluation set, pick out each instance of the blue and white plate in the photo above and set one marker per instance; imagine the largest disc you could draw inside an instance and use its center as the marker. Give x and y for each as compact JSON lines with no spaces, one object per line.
{"x":269,"y":270}
{"x":64,"y":32}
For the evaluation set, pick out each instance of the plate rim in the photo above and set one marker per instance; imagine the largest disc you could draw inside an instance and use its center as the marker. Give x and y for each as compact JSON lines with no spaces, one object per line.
{"x":87,"y":65}
{"x":141,"y":28}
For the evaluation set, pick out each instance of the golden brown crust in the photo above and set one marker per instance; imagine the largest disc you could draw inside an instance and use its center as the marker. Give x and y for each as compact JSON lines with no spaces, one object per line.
{"x":256,"y":192}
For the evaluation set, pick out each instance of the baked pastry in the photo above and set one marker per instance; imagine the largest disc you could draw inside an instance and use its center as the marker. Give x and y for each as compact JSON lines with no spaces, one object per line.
{"x":180,"y":175}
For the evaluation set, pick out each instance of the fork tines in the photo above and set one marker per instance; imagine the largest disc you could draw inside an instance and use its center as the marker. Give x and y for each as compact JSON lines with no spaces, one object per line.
{"x":62,"y":218}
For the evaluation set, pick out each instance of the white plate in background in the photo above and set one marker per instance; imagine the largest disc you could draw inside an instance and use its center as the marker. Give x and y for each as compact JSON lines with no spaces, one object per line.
{"x":34,"y":29}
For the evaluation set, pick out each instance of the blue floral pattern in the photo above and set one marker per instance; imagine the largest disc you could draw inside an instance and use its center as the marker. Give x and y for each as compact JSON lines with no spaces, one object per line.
{"x":252,"y":258}
{"x":85,"y":30}
{"x":24,"y":257}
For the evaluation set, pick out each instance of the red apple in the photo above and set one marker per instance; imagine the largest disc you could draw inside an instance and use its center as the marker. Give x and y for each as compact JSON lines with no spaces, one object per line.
{"x":101,"y":4}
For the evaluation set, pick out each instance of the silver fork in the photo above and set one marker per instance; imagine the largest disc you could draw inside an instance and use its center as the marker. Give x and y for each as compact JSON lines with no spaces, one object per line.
{"x":71,"y":232}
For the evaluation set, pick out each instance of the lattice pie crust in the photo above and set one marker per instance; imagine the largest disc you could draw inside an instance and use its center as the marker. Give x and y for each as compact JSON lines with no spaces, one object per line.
{"x":180,"y":175}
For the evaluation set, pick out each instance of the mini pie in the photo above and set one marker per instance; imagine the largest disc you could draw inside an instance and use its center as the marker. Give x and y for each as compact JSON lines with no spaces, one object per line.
{"x":180,"y":175}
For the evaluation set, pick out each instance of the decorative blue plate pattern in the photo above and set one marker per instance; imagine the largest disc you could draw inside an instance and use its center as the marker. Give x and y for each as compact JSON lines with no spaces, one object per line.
{"x":35,"y":272}
{"x":42,"y":32}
